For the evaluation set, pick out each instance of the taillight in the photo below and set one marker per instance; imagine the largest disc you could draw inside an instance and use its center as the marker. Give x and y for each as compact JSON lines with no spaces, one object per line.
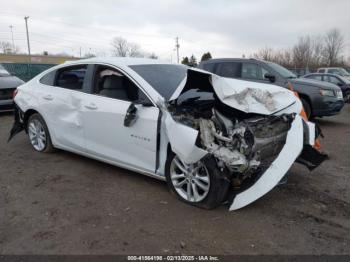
{"x":15,"y":92}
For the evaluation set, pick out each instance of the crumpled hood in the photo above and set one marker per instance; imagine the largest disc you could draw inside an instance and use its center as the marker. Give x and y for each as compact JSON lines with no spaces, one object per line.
{"x":249,"y":97}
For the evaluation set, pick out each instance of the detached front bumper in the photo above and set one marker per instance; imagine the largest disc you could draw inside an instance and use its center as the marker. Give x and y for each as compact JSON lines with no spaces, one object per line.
{"x":299,"y":144}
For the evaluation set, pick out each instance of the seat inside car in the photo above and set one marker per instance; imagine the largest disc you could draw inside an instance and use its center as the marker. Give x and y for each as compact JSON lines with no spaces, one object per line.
{"x":112,"y":86}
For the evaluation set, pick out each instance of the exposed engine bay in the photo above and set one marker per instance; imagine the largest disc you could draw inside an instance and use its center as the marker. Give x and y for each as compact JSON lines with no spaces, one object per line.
{"x":242,"y":147}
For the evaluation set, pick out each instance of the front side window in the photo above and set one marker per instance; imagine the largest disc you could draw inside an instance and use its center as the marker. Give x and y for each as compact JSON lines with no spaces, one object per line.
{"x":333,"y":80}
{"x":71,"y":77}
{"x":253,"y":71}
{"x":111,"y":83}
{"x":284,"y":72}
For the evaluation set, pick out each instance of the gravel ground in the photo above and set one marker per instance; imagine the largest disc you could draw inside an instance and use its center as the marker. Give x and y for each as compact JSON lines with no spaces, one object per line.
{"x":63,"y":203}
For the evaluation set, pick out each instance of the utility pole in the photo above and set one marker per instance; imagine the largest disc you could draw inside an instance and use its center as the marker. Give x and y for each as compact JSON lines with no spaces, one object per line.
{"x":26,"y":20}
{"x":177,"y":46}
{"x":13,"y":42}
{"x":80,"y":51}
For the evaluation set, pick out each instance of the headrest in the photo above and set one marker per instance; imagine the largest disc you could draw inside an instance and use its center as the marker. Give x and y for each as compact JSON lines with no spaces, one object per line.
{"x":113,"y":82}
{"x":70,"y":78}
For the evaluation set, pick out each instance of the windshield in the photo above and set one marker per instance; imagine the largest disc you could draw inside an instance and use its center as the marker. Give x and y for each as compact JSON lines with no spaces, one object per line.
{"x":284,"y":72}
{"x":344,"y":72}
{"x":345,"y":80}
{"x":164,"y":78}
{"x":3,"y":71}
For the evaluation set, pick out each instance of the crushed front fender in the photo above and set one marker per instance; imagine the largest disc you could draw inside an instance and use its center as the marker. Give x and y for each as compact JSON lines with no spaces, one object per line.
{"x":279,"y":167}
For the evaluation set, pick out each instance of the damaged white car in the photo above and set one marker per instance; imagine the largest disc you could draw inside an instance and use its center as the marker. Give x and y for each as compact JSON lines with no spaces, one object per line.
{"x":213,"y":140}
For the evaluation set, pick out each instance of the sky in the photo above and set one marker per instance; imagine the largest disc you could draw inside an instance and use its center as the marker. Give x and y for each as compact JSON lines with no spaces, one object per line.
{"x":226,"y":28}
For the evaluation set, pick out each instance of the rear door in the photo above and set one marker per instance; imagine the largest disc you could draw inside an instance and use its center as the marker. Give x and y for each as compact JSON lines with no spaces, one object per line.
{"x":104,"y":112}
{"x":60,"y":101}
{"x":229,"y":69}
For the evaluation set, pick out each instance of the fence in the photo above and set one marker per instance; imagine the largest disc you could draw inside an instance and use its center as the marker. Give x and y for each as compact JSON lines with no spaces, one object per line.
{"x":25,"y":71}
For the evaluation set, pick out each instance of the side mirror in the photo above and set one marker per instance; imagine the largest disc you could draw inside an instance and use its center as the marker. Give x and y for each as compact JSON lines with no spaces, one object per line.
{"x":270,"y":77}
{"x":131,"y":115}
{"x":340,"y":84}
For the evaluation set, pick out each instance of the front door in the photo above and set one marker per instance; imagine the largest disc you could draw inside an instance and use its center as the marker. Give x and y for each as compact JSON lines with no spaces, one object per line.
{"x":104,"y":112}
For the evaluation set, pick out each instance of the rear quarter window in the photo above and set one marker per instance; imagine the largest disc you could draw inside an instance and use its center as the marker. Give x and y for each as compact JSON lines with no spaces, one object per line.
{"x":48,"y":79}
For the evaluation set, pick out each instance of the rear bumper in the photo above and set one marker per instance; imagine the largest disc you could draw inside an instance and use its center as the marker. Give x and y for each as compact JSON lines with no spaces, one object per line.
{"x":6,"y":105}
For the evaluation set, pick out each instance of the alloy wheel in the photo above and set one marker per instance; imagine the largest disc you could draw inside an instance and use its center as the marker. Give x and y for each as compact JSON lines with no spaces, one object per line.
{"x":37,"y":135}
{"x":191,"y":182}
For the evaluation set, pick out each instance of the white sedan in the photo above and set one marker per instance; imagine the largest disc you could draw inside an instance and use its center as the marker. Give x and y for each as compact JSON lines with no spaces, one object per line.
{"x":213,"y":140}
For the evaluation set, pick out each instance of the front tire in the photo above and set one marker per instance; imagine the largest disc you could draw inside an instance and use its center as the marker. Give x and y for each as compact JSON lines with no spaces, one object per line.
{"x":38,"y":134}
{"x":347,"y":97}
{"x":200,"y":184}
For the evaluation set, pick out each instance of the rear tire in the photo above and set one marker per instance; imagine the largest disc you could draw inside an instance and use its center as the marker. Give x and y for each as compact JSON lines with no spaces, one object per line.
{"x":204,"y":177}
{"x":347,"y":97}
{"x":39,"y":135}
{"x":307,"y":108}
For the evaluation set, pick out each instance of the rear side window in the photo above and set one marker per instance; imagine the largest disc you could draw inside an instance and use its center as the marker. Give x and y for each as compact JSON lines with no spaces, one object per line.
{"x":71,"y":77}
{"x":48,"y":79}
{"x":229,"y":69}
{"x":210,"y":67}
{"x":321,"y":71}
{"x":316,"y":77}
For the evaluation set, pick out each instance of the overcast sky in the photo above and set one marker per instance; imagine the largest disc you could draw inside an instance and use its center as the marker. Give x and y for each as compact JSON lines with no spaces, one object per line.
{"x":226,"y":28}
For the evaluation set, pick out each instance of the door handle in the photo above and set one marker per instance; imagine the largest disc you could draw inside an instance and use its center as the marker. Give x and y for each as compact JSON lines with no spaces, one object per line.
{"x":48,"y":97}
{"x":91,"y":106}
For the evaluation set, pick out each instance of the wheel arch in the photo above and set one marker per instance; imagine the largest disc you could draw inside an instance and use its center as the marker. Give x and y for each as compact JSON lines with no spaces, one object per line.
{"x":307,"y":99}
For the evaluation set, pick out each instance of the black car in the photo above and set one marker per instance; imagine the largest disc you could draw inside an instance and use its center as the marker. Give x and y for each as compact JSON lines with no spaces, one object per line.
{"x":342,"y":82}
{"x":8,"y":84}
{"x":318,"y":98}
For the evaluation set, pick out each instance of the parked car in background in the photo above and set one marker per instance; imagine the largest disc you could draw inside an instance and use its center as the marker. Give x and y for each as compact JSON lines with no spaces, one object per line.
{"x":212,"y":139}
{"x":319,"y":98}
{"x":334,"y":70}
{"x":342,"y":82}
{"x":8,"y":85}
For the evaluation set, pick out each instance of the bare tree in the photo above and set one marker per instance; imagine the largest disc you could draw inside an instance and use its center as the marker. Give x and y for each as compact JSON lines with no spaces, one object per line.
{"x":317,"y":46}
{"x":333,"y":47}
{"x":123,"y":48}
{"x":120,"y":46}
{"x":265,"y":54}
{"x":303,"y":52}
{"x":5,"y":47}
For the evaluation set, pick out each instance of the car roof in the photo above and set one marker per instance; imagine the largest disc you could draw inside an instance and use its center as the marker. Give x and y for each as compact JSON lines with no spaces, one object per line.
{"x":218,"y":60}
{"x":322,"y":74}
{"x":118,"y":61}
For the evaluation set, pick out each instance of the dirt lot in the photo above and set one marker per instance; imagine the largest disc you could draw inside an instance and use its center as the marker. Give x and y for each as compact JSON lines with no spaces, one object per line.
{"x":62,"y":203}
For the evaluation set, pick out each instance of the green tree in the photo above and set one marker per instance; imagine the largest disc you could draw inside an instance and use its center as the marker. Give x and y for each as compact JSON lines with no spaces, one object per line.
{"x":185,"y":61}
{"x":193,"y":61}
{"x":206,"y":56}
